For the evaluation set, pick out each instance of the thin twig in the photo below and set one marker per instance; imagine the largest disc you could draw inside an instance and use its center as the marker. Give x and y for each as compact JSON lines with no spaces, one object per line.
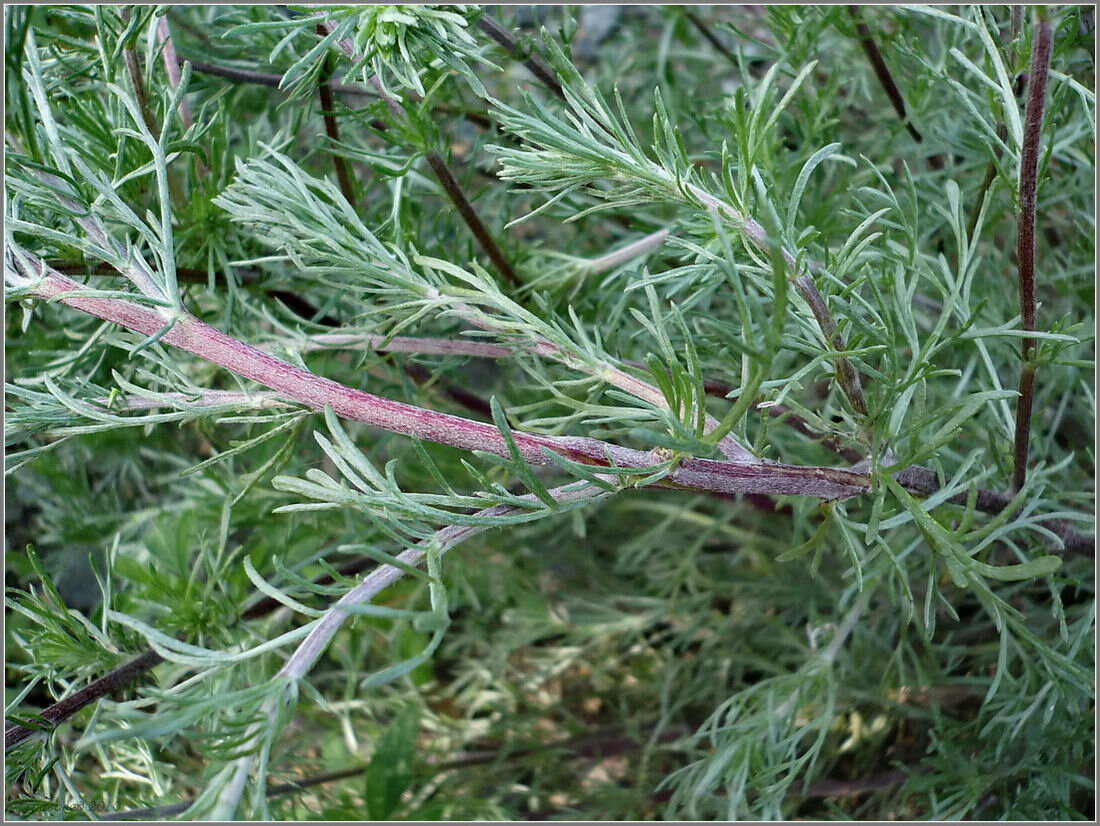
{"x":275,"y":81}
{"x":923,"y":481}
{"x":628,"y":253}
{"x":63,"y":709}
{"x":133,"y":69}
{"x":882,"y":71}
{"x":847,"y":376}
{"x":616,"y":377}
{"x":136,"y":270}
{"x":442,"y":172}
{"x":332,"y":129}
{"x":265,"y":78}
{"x":407,"y":344}
{"x":469,"y":215}
{"x":172,"y":66}
{"x":606,"y":743}
{"x":704,"y":30}
{"x":535,"y":64}
{"x":753,"y":232}
{"x":1025,"y":238}
{"x":991,"y":169}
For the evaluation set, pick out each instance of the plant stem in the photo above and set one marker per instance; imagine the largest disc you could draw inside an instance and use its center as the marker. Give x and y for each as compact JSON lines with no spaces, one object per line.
{"x":63,"y":709}
{"x":325,"y":628}
{"x":754,"y":232}
{"x":704,"y":30}
{"x":407,"y":344}
{"x":613,"y":375}
{"x":882,"y":71}
{"x":991,"y":169}
{"x":264,"y":78}
{"x":629,"y":252}
{"x":302,"y":660}
{"x":294,"y":383}
{"x":1025,"y":238}
{"x":133,"y":69}
{"x":275,"y":81}
{"x":535,"y":64}
{"x":923,"y":481}
{"x":444,"y":175}
{"x":846,"y":373}
{"x":454,"y":191}
{"x":332,"y":129}
{"x":172,"y":67}
{"x":208,"y":398}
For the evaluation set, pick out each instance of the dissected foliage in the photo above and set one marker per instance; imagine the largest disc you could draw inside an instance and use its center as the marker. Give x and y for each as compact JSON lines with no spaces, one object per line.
{"x":730,"y":254}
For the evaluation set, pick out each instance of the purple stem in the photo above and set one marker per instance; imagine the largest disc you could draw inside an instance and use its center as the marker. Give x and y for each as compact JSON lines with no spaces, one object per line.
{"x":846,"y":373}
{"x":172,"y":66}
{"x":296,"y":384}
{"x":407,"y":344}
{"x":1025,"y":238}
{"x":62,"y":710}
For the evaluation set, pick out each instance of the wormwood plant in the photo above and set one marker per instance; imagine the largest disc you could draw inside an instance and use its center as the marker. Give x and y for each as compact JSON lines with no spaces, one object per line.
{"x":416,"y":412}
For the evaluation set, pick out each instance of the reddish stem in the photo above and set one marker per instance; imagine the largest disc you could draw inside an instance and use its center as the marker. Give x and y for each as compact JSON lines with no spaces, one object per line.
{"x":296,"y":384}
{"x":1025,"y":239}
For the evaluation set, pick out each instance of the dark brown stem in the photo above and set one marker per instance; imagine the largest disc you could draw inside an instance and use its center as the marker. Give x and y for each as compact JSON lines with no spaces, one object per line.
{"x":704,"y":30}
{"x":882,"y":71}
{"x":264,"y":78}
{"x":129,"y":57}
{"x":473,"y":221}
{"x":1025,"y":238}
{"x":332,"y":129}
{"x":173,"y":809}
{"x":273,"y":80}
{"x":535,"y":64}
{"x":442,"y":172}
{"x":846,"y":373}
{"x":923,"y":481}
{"x":63,"y":709}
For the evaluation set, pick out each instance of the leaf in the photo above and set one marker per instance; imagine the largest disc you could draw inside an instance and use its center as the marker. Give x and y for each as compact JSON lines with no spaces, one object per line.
{"x":391,"y":765}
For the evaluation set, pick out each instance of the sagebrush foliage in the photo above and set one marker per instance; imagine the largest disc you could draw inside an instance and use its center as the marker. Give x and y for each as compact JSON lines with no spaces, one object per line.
{"x":727,"y":254}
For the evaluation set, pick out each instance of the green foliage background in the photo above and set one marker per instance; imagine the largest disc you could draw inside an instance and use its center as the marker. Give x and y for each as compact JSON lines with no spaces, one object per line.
{"x":656,"y":653}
